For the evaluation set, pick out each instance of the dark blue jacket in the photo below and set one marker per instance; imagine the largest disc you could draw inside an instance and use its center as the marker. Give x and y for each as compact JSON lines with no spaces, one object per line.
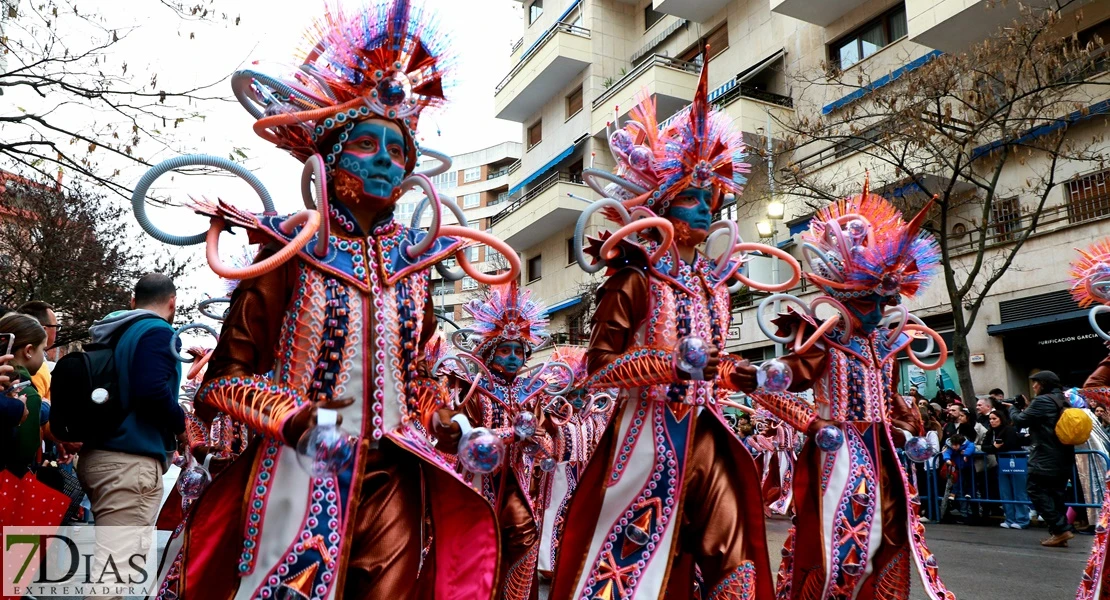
{"x":150,"y":376}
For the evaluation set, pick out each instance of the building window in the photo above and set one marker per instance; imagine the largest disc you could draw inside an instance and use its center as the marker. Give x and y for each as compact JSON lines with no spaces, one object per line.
{"x":469,"y":283}
{"x":1006,"y":218}
{"x":472,"y":254}
{"x":535,"y":268}
{"x":472,"y":200}
{"x":651,"y":16}
{"x":574,"y":102}
{"x":443,"y":287}
{"x":578,"y":329}
{"x":472,"y":174}
{"x":502,"y":197}
{"x":869,"y":39}
{"x":535,"y":134}
{"x":717,"y":40}
{"x":1089,"y":197}
{"x":534,"y":11}
{"x":570,"y":251}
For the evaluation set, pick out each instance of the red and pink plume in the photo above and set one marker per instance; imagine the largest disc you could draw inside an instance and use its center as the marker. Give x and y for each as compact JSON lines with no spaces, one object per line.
{"x":861,"y":245}
{"x":1090,"y":275}
{"x":508,"y":313}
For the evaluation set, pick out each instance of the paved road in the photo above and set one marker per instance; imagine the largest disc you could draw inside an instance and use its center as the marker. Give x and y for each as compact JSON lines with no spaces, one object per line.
{"x":988,"y":563}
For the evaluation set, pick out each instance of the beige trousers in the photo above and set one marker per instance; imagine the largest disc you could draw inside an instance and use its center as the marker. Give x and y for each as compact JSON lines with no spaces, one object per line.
{"x":125,"y":490}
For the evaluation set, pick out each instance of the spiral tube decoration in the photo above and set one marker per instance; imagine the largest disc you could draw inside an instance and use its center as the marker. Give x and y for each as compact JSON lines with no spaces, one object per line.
{"x":310,"y":219}
{"x":138,"y":198}
{"x":177,"y":337}
{"x":934,"y":338}
{"x":606,"y":400}
{"x":461,"y":359}
{"x":1096,"y":310}
{"x":204,"y":304}
{"x":464,"y":339}
{"x":446,"y":272}
{"x":551,"y":366}
{"x":314,"y":169}
{"x":794,"y":339}
{"x":559,"y":410}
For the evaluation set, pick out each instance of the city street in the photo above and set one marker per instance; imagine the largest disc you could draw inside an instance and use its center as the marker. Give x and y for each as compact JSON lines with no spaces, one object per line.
{"x":987,"y":563}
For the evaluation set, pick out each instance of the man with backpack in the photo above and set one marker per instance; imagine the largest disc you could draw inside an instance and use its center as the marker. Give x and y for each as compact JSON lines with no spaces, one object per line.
{"x":121,"y":468}
{"x":1051,"y":460}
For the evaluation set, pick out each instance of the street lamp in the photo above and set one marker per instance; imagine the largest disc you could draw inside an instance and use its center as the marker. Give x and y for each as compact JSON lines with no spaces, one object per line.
{"x":766,"y":229}
{"x":775,"y":210}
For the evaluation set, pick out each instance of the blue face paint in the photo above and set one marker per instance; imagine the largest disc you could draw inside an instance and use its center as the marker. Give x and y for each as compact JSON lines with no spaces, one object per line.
{"x":692,"y":207}
{"x":508,"y":358}
{"x":375,"y":154}
{"x":868,"y":311}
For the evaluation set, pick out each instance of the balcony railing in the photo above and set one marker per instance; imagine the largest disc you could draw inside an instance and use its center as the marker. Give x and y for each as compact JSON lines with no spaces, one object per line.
{"x":535,"y":48}
{"x":516,"y":46}
{"x":741,"y":90}
{"x":538,"y":189}
{"x":655,"y":60}
{"x":513,"y":167}
{"x":498,"y":173}
{"x":1053,"y":218}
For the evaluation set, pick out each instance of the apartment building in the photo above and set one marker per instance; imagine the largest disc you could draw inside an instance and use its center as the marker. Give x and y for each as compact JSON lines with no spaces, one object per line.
{"x":479,"y":183}
{"x":582,"y":63}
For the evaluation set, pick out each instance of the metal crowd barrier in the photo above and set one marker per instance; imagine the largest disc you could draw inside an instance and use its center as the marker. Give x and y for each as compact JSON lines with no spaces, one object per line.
{"x":984,"y":484}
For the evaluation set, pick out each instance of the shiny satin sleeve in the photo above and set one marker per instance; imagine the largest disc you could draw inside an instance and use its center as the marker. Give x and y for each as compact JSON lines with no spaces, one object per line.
{"x":1101,"y":376}
{"x":613,"y":359}
{"x":791,"y":409}
{"x":234,"y":382}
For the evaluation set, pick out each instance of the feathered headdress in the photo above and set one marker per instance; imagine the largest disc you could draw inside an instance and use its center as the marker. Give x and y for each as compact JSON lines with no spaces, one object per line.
{"x":860,"y":246}
{"x":1090,"y":275}
{"x":698,"y":148}
{"x":385,"y":59}
{"x":507,"y":313}
{"x":575,"y":358}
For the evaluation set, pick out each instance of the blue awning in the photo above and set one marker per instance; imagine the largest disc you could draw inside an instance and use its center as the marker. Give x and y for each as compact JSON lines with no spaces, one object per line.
{"x":1099,"y":108}
{"x":562,"y":305}
{"x":880,"y":82}
{"x":542,"y":170}
{"x":799,"y":226}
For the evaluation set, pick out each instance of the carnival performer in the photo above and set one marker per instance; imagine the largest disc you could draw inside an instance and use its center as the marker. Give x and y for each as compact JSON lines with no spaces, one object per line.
{"x":511,"y":401}
{"x":857,"y":532}
{"x":669,"y":489}
{"x":575,"y":441}
{"x":322,"y":344}
{"x":778,"y":463}
{"x":1090,"y":275}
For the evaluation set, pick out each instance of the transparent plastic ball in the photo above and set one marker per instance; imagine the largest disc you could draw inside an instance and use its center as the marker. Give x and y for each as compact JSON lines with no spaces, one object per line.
{"x":193,"y":482}
{"x":547,"y":465}
{"x":774,"y":376}
{"x":691,"y":354}
{"x":829,"y":438}
{"x":481,"y":451}
{"x":524,"y":425}
{"x":324,"y":449}
{"x":640,"y":158}
{"x":621,"y":140}
{"x":529,"y":447}
{"x":918,"y":449}
{"x":394,"y":89}
{"x":857,"y":230}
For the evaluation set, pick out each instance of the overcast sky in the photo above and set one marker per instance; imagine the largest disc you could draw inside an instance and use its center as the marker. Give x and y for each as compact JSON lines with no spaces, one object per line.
{"x":270,"y":32}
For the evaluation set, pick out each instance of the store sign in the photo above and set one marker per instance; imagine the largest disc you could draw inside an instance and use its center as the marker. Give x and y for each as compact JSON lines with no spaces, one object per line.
{"x":977,"y":358}
{"x":733,"y":333}
{"x":1067,"y":339}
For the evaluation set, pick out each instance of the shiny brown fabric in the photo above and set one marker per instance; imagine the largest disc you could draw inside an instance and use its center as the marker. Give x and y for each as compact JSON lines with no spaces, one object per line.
{"x":385,"y":551}
{"x":1101,"y":376}
{"x":622,"y":302}
{"x":520,"y":540}
{"x":715,"y":529}
{"x":390,"y":508}
{"x":722,"y":515}
{"x":249,"y":335}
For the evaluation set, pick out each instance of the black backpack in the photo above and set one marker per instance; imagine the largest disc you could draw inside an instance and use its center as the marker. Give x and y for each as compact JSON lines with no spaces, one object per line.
{"x":85,"y":402}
